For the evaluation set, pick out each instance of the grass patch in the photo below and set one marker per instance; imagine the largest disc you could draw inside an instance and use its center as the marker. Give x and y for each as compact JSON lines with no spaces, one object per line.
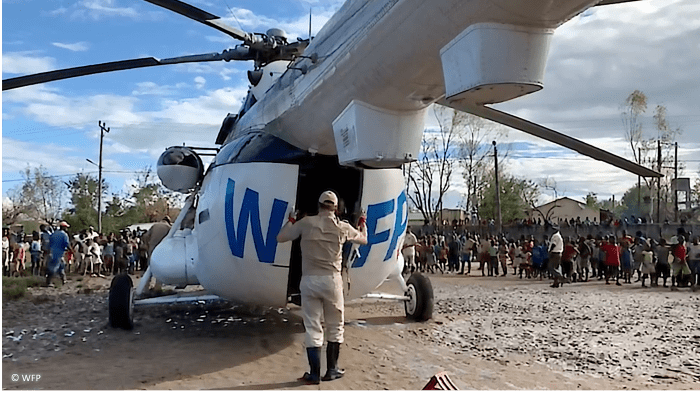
{"x":16,"y":288}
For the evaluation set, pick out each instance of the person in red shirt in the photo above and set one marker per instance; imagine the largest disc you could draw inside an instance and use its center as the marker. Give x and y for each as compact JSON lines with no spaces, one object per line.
{"x":679,"y":267}
{"x":612,"y":260}
{"x":568,"y":257}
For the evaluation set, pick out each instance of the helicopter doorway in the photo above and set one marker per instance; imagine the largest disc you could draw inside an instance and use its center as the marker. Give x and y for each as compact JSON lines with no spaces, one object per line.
{"x":316,"y":175}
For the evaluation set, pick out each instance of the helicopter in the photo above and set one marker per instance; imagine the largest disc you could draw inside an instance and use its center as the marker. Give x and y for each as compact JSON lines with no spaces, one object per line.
{"x":343,"y":111}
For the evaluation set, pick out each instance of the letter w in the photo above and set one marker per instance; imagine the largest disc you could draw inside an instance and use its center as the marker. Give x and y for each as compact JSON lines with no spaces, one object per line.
{"x":250,"y":212}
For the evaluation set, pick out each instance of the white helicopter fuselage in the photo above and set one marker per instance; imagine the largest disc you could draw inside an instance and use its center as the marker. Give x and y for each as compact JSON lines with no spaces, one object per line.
{"x":387,"y":54}
{"x":365,"y":82}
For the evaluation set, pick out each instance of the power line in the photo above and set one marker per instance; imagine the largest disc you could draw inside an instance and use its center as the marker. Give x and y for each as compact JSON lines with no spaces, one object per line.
{"x":82,"y":173}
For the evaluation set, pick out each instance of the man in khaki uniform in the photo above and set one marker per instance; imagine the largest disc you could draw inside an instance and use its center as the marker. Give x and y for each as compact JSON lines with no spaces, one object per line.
{"x":322,"y":239}
{"x":155,"y":234}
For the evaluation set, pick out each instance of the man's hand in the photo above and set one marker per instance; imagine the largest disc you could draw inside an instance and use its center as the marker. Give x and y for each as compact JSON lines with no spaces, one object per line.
{"x":292,"y":217}
{"x":362,"y":222}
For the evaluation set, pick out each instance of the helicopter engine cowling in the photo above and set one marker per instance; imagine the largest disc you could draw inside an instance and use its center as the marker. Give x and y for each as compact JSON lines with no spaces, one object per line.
{"x":173,"y":260}
{"x":180,"y":169}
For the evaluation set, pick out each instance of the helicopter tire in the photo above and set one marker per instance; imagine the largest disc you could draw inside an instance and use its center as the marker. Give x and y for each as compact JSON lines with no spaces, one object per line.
{"x":420,"y":292}
{"x":121,"y":302}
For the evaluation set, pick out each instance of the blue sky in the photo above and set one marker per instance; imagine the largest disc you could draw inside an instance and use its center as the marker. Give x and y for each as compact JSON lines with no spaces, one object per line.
{"x":595,"y":61}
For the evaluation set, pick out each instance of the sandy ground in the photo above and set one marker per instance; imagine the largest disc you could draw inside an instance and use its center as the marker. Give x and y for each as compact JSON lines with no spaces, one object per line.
{"x":486,"y":333}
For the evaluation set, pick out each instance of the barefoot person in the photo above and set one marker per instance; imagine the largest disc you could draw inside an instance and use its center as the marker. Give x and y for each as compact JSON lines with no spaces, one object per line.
{"x":322,"y":239}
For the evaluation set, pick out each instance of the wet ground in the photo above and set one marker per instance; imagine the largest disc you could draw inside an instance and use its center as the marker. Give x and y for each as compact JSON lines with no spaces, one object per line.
{"x":487,"y":333}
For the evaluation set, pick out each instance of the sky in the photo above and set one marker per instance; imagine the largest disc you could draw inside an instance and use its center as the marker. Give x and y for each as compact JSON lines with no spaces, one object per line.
{"x":595,"y":61}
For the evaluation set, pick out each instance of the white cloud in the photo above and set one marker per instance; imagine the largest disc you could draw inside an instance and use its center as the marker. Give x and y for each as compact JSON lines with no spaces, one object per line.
{"x":25,"y":63}
{"x":199,"y":82}
{"x":151,"y":88}
{"x":99,"y":8}
{"x":17,"y":155}
{"x":595,"y":62}
{"x":80,"y":46}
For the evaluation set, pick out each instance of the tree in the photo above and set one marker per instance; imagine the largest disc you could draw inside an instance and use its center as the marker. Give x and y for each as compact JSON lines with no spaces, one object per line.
{"x":592,"y":201}
{"x":657,"y":153}
{"x":475,"y":155}
{"x":429,"y":177}
{"x":11,"y":207}
{"x":635,"y":105}
{"x":617,"y":208}
{"x":663,"y":148}
{"x":83,"y":190}
{"x":39,"y":196}
{"x":152,"y":200}
{"x":517,"y":196}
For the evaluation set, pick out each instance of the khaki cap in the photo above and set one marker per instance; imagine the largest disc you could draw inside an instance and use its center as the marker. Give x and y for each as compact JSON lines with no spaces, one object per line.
{"x":328,"y":197}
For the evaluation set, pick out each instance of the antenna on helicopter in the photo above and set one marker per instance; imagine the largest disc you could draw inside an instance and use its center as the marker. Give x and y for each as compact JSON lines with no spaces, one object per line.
{"x":234,"y":15}
{"x":310,"y":23}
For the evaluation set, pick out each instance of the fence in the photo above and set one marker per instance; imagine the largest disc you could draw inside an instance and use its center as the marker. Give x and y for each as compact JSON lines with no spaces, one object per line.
{"x":654,"y":231}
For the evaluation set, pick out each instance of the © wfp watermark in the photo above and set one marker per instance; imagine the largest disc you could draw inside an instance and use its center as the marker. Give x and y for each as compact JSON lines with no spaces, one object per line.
{"x":25,"y":377}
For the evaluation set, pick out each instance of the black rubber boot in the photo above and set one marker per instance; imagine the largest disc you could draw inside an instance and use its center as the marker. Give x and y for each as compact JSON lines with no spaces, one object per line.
{"x":314,"y":374}
{"x":333,"y":372}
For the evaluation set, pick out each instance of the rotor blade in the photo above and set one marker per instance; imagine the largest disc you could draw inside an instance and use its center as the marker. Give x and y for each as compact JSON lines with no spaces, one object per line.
{"x":239,"y":53}
{"x":610,"y":2}
{"x":204,"y":17}
{"x":550,"y":135}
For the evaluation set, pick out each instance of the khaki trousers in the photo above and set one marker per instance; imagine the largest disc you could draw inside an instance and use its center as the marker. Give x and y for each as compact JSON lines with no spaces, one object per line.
{"x":322,"y":299}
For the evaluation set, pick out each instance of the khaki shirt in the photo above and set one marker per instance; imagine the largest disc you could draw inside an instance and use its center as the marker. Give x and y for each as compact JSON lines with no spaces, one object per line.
{"x":322,"y":239}
{"x":154,"y":235}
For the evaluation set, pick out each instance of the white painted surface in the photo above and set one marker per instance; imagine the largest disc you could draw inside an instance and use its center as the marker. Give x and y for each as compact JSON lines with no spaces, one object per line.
{"x":380,"y":186}
{"x":377,"y":137}
{"x":492,"y":62}
{"x":246,"y":279}
{"x":385,"y":53}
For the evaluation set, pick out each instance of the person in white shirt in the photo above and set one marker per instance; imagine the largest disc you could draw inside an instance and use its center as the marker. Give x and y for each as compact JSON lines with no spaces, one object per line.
{"x":409,"y":251}
{"x":556,"y":247}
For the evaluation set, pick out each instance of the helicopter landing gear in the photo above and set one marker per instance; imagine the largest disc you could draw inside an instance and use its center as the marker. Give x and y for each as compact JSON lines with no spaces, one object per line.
{"x":121,"y":302}
{"x":419,"y":305}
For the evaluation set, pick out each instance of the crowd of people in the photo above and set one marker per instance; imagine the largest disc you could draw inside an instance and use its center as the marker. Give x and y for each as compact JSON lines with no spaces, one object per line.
{"x":562,"y":259}
{"x":86,"y":252}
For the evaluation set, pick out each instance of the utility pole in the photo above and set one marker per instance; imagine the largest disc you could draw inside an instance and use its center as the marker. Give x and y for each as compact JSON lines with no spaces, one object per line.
{"x":658,"y":183}
{"x":675,"y":186}
{"x":103,"y":130}
{"x":498,"y":190}
{"x":639,"y":185}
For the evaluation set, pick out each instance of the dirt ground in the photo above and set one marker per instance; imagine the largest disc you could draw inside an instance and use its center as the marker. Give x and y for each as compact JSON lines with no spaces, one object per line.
{"x":486,"y":333}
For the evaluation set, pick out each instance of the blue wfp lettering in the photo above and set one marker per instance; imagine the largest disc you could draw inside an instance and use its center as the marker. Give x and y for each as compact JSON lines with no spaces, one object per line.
{"x":399,"y":225}
{"x":376,"y":212}
{"x":250,"y":212}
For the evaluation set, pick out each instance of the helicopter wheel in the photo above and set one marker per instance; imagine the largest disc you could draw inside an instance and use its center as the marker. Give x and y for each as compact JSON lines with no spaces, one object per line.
{"x":419,"y":307}
{"x":121,"y":302}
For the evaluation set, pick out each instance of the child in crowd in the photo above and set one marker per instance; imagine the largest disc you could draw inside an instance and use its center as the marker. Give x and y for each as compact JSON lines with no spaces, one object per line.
{"x":35,"y":251}
{"x":663,"y":269}
{"x":679,"y":267}
{"x":602,"y":267}
{"x":626,"y":261}
{"x":503,"y":256}
{"x":647,"y":266}
{"x":694,"y":263}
